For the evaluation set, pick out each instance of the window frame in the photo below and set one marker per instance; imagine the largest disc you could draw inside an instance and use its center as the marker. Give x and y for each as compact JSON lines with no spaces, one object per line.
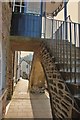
{"x":16,"y":5}
{"x":25,"y":7}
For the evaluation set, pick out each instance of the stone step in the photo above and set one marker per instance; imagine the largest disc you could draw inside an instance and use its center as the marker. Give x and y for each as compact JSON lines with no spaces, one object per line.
{"x":65,"y":60}
{"x":60,"y":65}
{"x":66,"y":75}
{"x":74,"y":88}
{"x":56,"y":83}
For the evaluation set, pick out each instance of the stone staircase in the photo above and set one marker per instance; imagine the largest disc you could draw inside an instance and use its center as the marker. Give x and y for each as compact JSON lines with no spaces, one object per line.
{"x":55,"y":66}
{"x":67,"y":60}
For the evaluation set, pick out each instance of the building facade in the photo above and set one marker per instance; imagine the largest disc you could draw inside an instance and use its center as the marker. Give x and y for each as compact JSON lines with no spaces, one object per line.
{"x":25,"y":69}
{"x":6,"y":52}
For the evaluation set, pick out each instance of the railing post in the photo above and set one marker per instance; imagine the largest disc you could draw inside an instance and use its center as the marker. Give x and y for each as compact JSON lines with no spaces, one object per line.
{"x":67,"y":47}
{"x":63,"y":45}
{"x":70,"y":52}
{"x":52,"y":28}
{"x":58,"y":41}
{"x":56,"y":38}
{"x":75,"y":51}
{"x":79,"y":33}
{"x":45,"y":28}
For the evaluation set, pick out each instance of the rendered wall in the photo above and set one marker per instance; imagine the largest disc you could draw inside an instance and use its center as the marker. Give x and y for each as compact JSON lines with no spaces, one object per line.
{"x":79,"y":11}
{"x":72,"y":10}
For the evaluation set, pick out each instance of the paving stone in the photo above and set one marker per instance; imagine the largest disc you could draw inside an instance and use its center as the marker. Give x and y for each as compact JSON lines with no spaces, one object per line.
{"x":27,"y":105}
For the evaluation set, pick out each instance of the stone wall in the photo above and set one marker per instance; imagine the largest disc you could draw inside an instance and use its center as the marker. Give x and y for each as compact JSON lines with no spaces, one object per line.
{"x":9,"y":75}
{"x":62,"y":101}
{"x":37,"y":77}
{"x":6,"y":18}
{"x":5,"y":21}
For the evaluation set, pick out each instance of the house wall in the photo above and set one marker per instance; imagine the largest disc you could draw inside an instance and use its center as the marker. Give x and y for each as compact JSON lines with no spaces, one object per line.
{"x":72,"y":10}
{"x":79,"y":11}
{"x":25,"y":67}
{"x":5,"y":19}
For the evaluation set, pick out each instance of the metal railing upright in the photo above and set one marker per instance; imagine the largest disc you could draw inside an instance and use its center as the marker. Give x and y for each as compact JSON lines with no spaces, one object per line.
{"x":66,"y":38}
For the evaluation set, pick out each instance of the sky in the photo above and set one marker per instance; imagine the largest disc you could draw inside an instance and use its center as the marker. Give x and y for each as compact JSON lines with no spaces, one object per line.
{"x":74,"y":0}
{"x":24,"y":53}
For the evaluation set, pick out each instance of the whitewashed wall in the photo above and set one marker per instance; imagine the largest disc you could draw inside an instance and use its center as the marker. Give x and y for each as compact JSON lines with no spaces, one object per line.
{"x":25,"y":67}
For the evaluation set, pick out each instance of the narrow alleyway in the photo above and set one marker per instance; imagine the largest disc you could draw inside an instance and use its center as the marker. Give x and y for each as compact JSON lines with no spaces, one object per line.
{"x":27,"y":105}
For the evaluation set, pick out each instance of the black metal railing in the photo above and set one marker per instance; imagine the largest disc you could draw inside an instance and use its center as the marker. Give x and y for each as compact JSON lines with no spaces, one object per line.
{"x":66,"y":46}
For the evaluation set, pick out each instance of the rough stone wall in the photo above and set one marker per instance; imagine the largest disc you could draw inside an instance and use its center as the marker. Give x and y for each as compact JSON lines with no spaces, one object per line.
{"x":63,"y":103}
{"x":6,"y":17}
{"x":0,"y":60}
{"x":10,"y":75}
{"x":6,"y":20}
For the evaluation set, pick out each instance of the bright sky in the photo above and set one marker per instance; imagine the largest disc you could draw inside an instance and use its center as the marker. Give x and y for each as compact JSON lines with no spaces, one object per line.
{"x":74,"y":0}
{"x":24,"y":53}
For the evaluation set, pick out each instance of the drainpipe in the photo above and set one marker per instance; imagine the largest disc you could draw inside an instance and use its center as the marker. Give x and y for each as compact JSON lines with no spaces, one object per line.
{"x":45,"y":19}
{"x":20,"y":64}
{"x":65,"y":10}
{"x":41,"y":13}
{"x":65,"y":17}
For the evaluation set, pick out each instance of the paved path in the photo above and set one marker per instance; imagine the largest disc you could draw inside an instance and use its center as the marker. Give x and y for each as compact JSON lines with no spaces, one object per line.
{"x":27,"y":105}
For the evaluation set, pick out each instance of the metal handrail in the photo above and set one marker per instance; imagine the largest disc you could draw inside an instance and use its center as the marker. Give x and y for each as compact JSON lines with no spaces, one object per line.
{"x":50,"y":52}
{"x":51,"y":18}
{"x":66,"y":38}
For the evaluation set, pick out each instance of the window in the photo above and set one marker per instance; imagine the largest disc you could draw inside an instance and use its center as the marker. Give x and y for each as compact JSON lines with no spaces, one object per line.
{"x":33,"y":7}
{"x":27,"y":66}
{"x":27,"y":7}
{"x":19,"y":6}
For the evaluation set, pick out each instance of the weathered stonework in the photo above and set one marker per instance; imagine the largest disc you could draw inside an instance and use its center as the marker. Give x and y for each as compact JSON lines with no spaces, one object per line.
{"x":10,"y":75}
{"x":6,"y":18}
{"x":37,"y":77}
{"x":63,"y":103}
{"x":5,"y":21}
